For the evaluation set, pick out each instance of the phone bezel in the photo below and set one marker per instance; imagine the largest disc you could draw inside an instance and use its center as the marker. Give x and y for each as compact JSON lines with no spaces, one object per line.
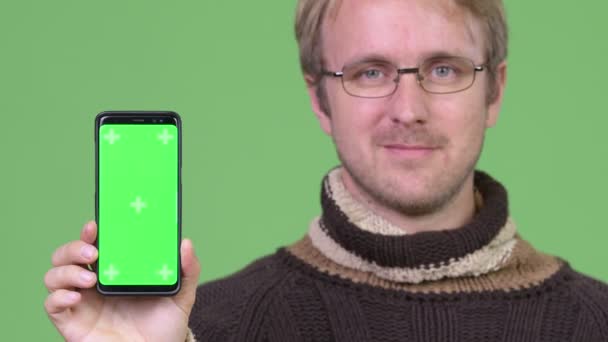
{"x":139,"y":117}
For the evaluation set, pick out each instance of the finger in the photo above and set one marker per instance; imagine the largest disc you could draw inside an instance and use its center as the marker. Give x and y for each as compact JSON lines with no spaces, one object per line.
{"x":74,"y":252}
{"x":191,"y":270}
{"x":59,"y":301}
{"x":69,"y":277}
{"x":89,"y":232}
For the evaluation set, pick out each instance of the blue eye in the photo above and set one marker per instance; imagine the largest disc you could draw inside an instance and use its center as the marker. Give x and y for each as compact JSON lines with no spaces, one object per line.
{"x":372,"y":73}
{"x":442,"y":71}
{"x":369,"y":73}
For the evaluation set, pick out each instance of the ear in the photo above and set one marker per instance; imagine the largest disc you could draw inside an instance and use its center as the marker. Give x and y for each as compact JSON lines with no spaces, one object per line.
{"x":495,"y":105}
{"x":315,"y":103}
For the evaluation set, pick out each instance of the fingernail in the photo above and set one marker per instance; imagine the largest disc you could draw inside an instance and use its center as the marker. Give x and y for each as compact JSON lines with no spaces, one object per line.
{"x":86,"y":276}
{"x":88,"y":251}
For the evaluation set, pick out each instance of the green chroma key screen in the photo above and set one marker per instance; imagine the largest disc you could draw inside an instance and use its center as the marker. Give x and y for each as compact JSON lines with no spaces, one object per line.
{"x":138,"y":204}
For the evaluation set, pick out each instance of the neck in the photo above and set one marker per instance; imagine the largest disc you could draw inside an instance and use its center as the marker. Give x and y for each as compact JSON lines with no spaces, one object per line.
{"x":458,"y":211}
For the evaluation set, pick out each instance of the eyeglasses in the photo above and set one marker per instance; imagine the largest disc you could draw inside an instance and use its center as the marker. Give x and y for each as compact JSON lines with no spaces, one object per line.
{"x":437,"y":75}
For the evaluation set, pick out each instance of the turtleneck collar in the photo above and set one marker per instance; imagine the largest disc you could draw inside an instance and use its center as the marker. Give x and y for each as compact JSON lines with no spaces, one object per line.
{"x":350,"y":234}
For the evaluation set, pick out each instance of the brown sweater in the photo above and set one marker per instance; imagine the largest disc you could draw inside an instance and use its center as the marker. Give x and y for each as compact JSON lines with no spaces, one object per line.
{"x":357,"y":277}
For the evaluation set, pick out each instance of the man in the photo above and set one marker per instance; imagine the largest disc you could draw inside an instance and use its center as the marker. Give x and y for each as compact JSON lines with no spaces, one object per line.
{"x":413,"y":244}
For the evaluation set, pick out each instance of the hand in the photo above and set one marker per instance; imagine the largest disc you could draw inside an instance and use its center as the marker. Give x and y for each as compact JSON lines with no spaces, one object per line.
{"x":80,"y":313}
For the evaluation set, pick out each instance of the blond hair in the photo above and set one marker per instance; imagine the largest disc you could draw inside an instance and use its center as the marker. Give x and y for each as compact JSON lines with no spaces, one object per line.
{"x":310,"y":15}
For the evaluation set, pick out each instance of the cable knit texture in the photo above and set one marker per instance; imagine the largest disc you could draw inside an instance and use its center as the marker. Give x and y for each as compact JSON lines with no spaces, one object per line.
{"x":354,"y":276}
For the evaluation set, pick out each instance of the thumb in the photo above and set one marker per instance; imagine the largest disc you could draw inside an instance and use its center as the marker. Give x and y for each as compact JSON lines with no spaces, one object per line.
{"x":191,"y":270}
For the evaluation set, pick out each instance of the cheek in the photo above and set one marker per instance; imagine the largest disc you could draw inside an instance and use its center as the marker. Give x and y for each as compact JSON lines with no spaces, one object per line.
{"x":354,"y":120}
{"x":462,"y":122}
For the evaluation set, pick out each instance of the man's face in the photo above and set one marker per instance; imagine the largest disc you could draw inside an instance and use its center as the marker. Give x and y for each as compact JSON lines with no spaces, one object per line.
{"x":440,"y":135}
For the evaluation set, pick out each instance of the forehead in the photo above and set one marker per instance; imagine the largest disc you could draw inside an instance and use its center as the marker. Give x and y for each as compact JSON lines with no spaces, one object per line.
{"x":403,"y":31}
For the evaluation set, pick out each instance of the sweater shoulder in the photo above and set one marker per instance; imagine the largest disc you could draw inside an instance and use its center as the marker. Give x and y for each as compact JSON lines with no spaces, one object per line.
{"x":592,"y":297}
{"x":590,"y":287}
{"x":223,"y":303}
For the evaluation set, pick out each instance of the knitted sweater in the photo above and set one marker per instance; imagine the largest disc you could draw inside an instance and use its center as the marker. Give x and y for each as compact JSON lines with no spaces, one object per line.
{"x":356,"y":277}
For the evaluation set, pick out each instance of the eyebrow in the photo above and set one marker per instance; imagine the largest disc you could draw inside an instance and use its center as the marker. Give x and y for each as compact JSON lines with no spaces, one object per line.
{"x":380,"y":58}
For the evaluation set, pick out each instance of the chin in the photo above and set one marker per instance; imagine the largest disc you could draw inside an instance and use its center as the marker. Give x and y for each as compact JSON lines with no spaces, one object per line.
{"x":407,"y":193}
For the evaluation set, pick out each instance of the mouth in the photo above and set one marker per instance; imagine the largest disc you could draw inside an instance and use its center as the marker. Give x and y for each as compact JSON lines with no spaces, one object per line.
{"x":410,"y":151}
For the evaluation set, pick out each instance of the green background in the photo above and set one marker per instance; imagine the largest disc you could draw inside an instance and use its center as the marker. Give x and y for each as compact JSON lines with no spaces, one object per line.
{"x":138,"y":166}
{"x":253,"y":152}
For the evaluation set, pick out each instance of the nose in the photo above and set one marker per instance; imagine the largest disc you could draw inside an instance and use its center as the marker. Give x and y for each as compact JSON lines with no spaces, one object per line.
{"x":408,"y":104}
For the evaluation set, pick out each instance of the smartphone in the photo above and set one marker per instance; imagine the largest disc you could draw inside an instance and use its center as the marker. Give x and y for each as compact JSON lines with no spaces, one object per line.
{"x":138,"y":202}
